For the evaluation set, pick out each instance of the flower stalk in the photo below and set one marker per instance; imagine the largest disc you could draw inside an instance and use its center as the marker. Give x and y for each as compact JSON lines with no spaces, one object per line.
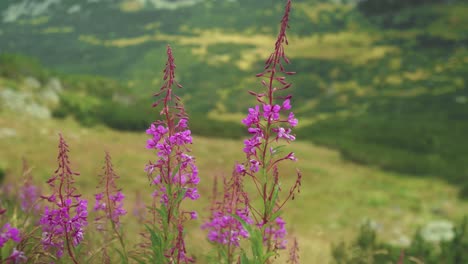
{"x":269,"y":124}
{"x":174,"y":174}
{"x":109,"y":205}
{"x":63,"y":223}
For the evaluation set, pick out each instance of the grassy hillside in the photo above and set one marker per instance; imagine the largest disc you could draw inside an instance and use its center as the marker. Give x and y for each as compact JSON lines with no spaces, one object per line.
{"x":336,"y":195}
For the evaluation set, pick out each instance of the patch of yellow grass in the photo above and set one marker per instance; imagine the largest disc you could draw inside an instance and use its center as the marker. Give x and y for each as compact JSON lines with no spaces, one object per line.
{"x":417,"y":75}
{"x":34,"y":21}
{"x":131,"y":6}
{"x":153,"y":25}
{"x":354,"y":47}
{"x":416,"y":91}
{"x":217,"y":60}
{"x":57,"y":30}
{"x":393,"y":79}
{"x":90,"y":39}
{"x":313,"y":11}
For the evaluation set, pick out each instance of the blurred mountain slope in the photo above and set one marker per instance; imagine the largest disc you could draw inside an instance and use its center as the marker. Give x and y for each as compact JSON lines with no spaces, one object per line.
{"x":387,"y":86}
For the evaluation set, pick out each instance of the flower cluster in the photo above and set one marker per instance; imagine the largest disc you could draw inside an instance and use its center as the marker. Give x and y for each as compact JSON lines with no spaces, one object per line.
{"x":226,"y":229}
{"x":257,"y":121}
{"x":29,"y":193}
{"x":171,"y":147}
{"x":225,"y":226}
{"x":113,"y":207}
{"x":63,"y":224}
{"x":276,"y":233}
{"x":110,"y":199}
{"x":8,"y":232}
{"x":17,"y":257}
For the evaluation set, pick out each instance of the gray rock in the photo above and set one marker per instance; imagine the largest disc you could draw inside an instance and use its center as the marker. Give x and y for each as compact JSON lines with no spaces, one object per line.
{"x":402,"y":241}
{"x":165,"y":4}
{"x":55,"y":85}
{"x":22,"y":102}
{"x":13,"y":100}
{"x":436,"y":231}
{"x":74,"y":9}
{"x":50,"y":97}
{"x":38,"y":111}
{"x":32,"y":83}
{"x":27,"y":8}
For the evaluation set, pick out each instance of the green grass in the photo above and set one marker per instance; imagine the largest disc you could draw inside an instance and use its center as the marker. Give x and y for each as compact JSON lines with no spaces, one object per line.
{"x":336,"y":195}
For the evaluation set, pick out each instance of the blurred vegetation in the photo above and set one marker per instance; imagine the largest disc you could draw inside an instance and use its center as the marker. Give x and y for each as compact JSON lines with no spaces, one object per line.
{"x":2,"y":175}
{"x":367,"y":249}
{"x":95,"y":100}
{"x":16,"y":67}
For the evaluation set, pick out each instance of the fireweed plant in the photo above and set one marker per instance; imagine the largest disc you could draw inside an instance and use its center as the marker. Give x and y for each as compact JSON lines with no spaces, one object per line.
{"x":22,"y":198}
{"x":64,"y":221}
{"x":9,"y":238}
{"x":109,"y":209}
{"x":173,"y":175}
{"x":29,"y":193}
{"x":224,"y":229}
{"x":244,"y":228}
{"x":270,"y":124}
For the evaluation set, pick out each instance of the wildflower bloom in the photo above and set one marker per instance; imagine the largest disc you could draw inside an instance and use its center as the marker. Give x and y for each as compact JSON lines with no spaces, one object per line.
{"x":17,"y":257}
{"x":9,"y":233}
{"x":174,"y":174}
{"x":224,"y":227}
{"x":109,"y":200}
{"x":29,"y":193}
{"x":63,"y":223}
{"x":270,"y":124}
{"x":109,"y":207}
{"x":276,"y":233}
{"x":170,"y":138}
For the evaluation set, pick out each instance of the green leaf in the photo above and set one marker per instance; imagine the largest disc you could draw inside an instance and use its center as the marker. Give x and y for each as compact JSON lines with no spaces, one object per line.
{"x":123,"y":260}
{"x":267,"y":256}
{"x":164,"y":215}
{"x":138,"y":260}
{"x":156,"y":245}
{"x":272,"y":202}
{"x":176,"y":170}
{"x":255,"y":238}
{"x":244,"y":258}
{"x":181,"y":195}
